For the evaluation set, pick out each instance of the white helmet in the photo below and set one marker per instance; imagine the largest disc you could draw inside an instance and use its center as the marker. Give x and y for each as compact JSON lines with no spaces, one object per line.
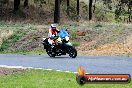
{"x":53,"y":25}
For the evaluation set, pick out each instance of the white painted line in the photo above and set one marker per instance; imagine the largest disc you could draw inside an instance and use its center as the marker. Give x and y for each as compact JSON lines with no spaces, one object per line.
{"x":3,"y":65}
{"x":58,"y":70}
{"x":21,"y":67}
{"x":47,"y":69}
{"x":67,"y":71}
{"x":75,"y":72}
{"x":38,"y":68}
{"x":30,"y":67}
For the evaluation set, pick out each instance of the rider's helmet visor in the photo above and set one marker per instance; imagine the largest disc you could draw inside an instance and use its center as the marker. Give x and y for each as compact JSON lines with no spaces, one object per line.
{"x":54,"y":28}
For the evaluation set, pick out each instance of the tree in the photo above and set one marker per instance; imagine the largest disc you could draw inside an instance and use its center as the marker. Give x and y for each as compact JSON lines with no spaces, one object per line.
{"x":57,"y":11}
{"x":25,"y":3}
{"x":129,"y":10}
{"x":108,"y":3}
{"x":68,"y":4}
{"x":94,"y":6}
{"x":16,"y":5}
{"x":122,"y":4}
{"x":78,"y":7}
{"x":90,"y":9}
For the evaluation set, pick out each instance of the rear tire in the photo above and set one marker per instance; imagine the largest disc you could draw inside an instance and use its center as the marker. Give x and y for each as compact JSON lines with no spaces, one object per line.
{"x":50,"y":53}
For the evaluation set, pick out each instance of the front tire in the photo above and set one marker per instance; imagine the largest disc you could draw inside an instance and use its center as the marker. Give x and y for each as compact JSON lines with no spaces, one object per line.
{"x":72,"y":52}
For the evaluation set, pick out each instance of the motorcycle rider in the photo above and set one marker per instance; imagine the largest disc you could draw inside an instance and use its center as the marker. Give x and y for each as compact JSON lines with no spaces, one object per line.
{"x":53,"y":32}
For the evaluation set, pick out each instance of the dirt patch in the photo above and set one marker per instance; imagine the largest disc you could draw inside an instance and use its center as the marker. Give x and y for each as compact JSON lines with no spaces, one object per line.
{"x":106,"y":49}
{"x":30,"y":41}
{"x":7,"y":71}
{"x":107,"y":41}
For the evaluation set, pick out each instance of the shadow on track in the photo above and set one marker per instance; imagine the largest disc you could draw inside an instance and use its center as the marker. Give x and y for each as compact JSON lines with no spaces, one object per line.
{"x":60,"y":57}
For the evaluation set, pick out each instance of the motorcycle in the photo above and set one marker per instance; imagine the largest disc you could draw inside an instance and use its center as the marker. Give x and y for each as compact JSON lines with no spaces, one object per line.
{"x":62,"y":45}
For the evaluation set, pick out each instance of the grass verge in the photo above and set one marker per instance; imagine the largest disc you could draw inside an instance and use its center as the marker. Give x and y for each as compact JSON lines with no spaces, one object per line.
{"x":48,"y":79}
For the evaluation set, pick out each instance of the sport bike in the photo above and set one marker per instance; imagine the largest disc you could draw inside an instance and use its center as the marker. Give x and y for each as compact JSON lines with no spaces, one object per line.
{"x":62,"y":45}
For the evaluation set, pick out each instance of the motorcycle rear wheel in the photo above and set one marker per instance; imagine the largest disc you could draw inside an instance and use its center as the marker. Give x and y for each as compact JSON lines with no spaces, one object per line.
{"x":50,"y":52}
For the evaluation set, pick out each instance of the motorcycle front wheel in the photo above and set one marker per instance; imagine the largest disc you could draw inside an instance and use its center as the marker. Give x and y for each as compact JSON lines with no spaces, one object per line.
{"x":72,"y":52}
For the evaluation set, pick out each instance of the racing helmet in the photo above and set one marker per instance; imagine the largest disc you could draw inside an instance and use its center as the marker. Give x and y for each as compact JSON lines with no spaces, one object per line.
{"x":53,"y":26}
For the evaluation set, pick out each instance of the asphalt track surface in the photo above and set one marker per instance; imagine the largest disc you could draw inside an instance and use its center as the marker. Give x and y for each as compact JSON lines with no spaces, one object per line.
{"x":92,"y":64}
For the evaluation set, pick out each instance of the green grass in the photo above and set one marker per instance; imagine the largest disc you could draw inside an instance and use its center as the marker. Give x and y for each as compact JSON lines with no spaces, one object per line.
{"x":49,"y":79}
{"x":19,"y":31}
{"x":14,"y":38}
{"x":75,"y":44}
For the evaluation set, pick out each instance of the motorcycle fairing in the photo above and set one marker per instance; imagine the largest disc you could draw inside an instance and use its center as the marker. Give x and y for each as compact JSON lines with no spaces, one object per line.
{"x":63,"y":34}
{"x":68,"y":44}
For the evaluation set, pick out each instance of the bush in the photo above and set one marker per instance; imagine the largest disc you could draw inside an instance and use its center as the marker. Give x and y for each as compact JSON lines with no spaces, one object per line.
{"x":76,"y":44}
